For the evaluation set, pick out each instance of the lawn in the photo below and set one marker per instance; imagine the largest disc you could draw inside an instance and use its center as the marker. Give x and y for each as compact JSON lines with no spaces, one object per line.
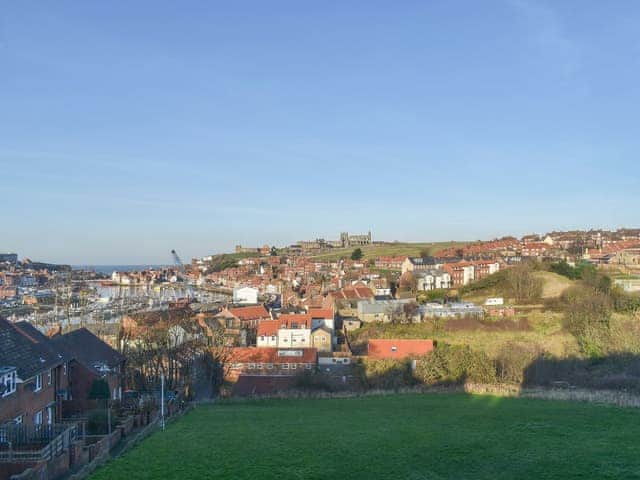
{"x":433,"y":436}
{"x":388,"y":249}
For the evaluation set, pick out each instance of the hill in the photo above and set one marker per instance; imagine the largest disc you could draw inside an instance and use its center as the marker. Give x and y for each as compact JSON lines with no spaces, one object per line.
{"x":439,"y":436}
{"x":388,"y":249}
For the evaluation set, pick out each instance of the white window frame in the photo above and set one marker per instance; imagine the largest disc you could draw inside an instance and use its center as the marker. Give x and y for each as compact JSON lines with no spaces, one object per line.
{"x":50,"y":379}
{"x":37,"y":418}
{"x":10,"y":381}
{"x":38,"y":381}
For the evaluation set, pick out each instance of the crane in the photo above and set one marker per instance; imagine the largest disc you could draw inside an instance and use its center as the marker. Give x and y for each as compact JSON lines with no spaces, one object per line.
{"x":176,"y":260}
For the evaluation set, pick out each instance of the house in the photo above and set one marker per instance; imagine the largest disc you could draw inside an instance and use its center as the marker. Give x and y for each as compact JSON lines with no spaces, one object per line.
{"x":245,"y":296}
{"x":462,"y":273}
{"x":295,"y":330}
{"x":322,"y":339}
{"x":389,"y":263}
{"x":269,"y":361}
{"x":351,"y":323}
{"x":90,"y":359}
{"x":412,"y":264}
{"x":432,"y":279}
{"x":250,"y":317}
{"x":381,"y":310}
{"x":34,"y":376}
{"x":398,"y":349}
{"x":267,"y":335}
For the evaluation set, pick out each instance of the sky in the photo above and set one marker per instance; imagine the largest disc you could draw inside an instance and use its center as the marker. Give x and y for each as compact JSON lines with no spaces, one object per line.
{"x":128,"y":129}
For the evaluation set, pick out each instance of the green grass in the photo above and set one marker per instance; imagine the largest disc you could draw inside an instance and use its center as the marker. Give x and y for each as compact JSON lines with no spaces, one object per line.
{"x":546,"y":332}
{"x":387,"y":249}
{"x":433,"y":436}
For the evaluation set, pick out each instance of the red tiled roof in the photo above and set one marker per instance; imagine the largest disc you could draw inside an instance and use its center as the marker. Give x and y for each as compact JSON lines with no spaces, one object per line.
{"x":321,"y":312}
{"x":301,"y":319}
{"x":268,"y":327}
{"x":272,"y":355}
{"x":381,"y":349}
{"x":250,"y":313}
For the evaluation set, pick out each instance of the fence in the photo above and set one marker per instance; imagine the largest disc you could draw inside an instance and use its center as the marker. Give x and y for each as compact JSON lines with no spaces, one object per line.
{"x":29,"y":443}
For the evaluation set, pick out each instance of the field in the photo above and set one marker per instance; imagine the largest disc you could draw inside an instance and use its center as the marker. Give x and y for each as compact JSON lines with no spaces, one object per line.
{"x":433,"y":436}
{"x":388,"y":249}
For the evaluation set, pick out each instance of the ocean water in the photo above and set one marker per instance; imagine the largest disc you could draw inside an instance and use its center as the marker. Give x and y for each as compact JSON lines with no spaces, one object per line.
{"x":109,"y":269}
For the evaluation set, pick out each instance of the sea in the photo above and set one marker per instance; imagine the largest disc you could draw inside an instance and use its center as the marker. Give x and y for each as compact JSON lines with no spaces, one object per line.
{"x":109,"y":269}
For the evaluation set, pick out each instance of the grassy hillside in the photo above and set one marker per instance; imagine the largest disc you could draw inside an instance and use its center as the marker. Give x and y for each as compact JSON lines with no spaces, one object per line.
{"x":541,"y":329}
{"x":391,"y":249}
{"x":554,"y":284}
{"x":434,"y":436}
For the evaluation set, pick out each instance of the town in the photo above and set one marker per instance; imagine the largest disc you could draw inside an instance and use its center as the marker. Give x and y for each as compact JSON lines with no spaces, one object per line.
{"x":343,"y":315}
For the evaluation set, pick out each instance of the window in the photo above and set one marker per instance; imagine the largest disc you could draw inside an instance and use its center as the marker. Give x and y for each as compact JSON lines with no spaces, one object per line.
{"x":38,"y":386}
{"x":50,"y":378}
{"x":37,"y":418}
{"x":260,"y":366}
{"x":252,"y":365}
{"x":18,"y":420}
{"x":285,"y":366}
{"x":50,"y":415}
{"x":64,"y":368}
{"x":269,"y":365}
{"x":307,"y":366}
{"x":394,"y":349}
{"x":8,"y":381}
{"x":294,"y":366}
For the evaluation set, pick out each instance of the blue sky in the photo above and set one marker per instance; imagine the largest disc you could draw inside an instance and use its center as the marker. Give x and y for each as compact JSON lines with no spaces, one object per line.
{"x":131,"y":128}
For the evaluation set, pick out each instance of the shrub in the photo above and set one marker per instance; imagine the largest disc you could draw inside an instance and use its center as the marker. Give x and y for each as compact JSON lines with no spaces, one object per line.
{"x":386,"y":374}
{"x":455,"y":364}
{"x":587,"y":315}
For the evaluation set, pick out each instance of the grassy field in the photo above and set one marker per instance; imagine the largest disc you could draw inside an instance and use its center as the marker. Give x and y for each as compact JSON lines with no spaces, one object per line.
{"x":542,"y":329}
{"x":433,"y":436}
{"x":390,"y":249}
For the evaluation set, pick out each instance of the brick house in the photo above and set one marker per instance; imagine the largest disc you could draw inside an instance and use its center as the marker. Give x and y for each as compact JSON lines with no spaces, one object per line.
{"x":34,"y":376}
{"x":90,"y":359}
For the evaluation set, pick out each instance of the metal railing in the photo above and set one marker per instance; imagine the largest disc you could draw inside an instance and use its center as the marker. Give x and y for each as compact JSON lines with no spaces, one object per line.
{"x":29,"y":443}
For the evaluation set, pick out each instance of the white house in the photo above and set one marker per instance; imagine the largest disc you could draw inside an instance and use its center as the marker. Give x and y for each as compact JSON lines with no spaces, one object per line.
{"x":245,"y":295}
{"x":432,"y":279}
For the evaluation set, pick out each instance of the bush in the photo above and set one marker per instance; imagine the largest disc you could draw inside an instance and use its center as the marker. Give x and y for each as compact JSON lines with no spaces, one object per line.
{"x":313,"y":382}
{"x":97,"y":423}
{"x":587,"y":315}
{"x":455,"y":364}
{"x":386,"y":374}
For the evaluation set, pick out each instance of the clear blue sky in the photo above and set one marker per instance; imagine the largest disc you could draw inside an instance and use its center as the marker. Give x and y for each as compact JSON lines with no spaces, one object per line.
{"x":131,"y":128}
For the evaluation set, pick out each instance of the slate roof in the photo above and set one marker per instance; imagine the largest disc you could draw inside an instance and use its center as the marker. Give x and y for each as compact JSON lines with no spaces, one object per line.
{"x":87,"y":349}
{"x":24,"y":349}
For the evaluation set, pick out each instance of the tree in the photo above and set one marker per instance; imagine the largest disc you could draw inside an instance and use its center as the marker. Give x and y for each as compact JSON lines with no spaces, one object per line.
{"x":274,"y":252}
{"x":587,"y":314}
{"x":357,"y":254}
{"x":425,"y":252}
{"x":524,"y":286}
